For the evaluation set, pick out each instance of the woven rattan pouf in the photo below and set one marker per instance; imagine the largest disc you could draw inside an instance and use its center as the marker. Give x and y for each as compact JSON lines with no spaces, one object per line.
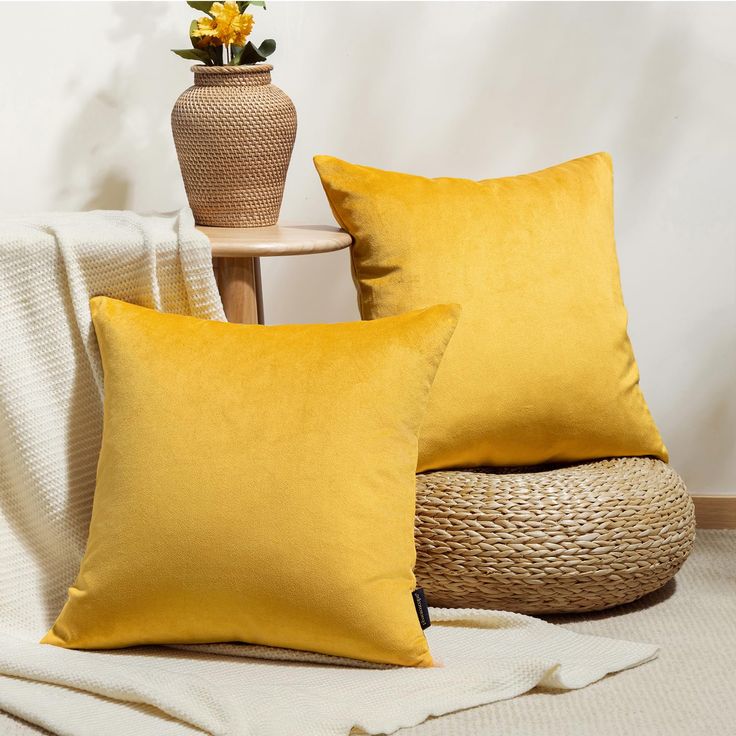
{"x":576,"y":538}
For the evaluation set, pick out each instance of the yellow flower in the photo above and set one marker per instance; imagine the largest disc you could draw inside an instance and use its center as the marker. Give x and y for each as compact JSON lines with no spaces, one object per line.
{"x":231,"y":26}
{"x":245,"y":27}
{"x":206,"y":32}
{"x":228,"y":26}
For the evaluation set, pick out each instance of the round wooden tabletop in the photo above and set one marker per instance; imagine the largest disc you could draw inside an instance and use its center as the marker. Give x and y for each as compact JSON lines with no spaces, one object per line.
{"x":276,"y":240}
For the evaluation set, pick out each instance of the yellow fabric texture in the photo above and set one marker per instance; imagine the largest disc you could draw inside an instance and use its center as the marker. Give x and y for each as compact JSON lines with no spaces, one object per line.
{"x":540,"y":368}
{"x":256,"y":484}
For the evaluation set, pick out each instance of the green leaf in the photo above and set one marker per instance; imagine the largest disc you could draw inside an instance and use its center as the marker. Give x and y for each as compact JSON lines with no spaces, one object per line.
{"x":203,"y":7}
{"x":243,"y":5}
{"x":196,"y":40}
{"x":235,"y":53}
{"x":267,"y":47}
{"x":193,"y":54}
{"x":215,"y":55}
{"x":250,"y":54}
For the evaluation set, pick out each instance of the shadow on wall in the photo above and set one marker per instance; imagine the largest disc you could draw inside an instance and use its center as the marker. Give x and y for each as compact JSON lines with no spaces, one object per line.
{"x":112,"y":192}
{"x":118,"y":153}
{"x":87,"y":163}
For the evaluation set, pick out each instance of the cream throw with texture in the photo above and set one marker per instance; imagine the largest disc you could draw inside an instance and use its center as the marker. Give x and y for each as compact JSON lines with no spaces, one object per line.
{"x":50,"y":424}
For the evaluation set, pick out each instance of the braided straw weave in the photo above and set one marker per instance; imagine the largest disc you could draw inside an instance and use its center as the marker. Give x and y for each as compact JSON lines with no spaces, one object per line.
{"x":545,"y":540}
{"x":234,"y":132}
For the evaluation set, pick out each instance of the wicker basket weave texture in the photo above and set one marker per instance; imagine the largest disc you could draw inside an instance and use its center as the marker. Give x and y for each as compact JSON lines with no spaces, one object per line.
{"x":578,"y":538}
{"x":234,"y":133}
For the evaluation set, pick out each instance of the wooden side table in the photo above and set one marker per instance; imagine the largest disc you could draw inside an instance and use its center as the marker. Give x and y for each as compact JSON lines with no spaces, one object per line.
{"x":235,"y":254}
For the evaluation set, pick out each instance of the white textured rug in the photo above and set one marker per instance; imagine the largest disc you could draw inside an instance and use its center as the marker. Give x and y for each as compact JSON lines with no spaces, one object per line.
{"x":50,"y":423}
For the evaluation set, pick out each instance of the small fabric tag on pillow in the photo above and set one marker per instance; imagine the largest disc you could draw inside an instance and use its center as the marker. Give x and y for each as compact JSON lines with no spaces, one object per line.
{"x":420,"y":603}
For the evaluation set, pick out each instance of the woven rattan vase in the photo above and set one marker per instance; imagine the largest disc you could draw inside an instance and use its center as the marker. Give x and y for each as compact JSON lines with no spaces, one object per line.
{"x":234,"y":132}
{"x":577,"y":538}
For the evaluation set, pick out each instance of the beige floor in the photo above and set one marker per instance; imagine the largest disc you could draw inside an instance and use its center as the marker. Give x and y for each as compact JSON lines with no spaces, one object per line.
{"x":690,"y":690}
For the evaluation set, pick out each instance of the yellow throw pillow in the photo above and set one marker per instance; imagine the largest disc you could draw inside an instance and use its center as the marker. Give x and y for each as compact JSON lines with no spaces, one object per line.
{"x":256,"y":484}
{"x":540,"y":368}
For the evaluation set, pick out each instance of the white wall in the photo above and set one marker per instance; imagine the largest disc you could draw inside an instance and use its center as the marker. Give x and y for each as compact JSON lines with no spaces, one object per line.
{"x":474,"y":90}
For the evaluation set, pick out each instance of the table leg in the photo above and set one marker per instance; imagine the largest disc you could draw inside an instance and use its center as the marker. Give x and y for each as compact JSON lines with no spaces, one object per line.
{"x":239,"y":283}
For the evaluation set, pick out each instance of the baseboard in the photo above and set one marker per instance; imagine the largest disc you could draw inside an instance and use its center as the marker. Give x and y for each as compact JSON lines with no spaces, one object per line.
{"x":715,"y":512}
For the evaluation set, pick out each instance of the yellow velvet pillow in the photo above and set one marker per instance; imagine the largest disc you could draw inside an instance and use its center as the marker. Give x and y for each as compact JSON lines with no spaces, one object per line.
{"x":256,"y":484}
{"x":540,"y":368}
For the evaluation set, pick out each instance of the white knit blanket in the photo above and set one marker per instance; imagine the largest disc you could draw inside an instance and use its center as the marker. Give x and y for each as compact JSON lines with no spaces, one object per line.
{"x":50,"y":424}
